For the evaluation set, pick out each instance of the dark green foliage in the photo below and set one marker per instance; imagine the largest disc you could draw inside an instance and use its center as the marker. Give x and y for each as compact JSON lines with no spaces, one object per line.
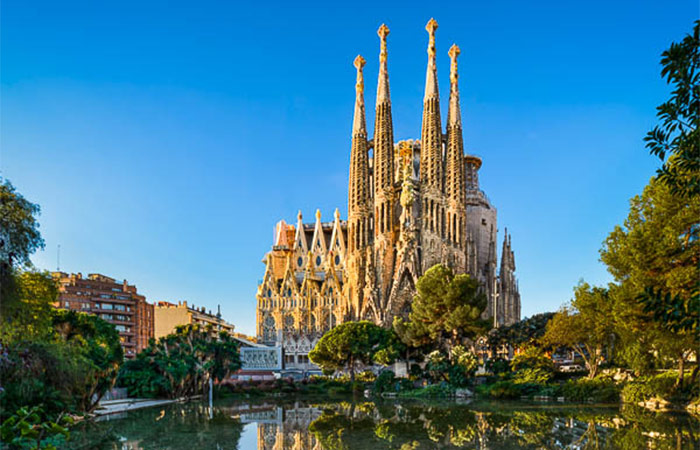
{"x":661,"y":385}
{"x":532,"y":366}
{"x":181,"y":364}
{"x":446,"y":310}
{"x":69,"y":370}
{"x":677,"y":135}
{"x":595,"y":390}
{"x":19,"y":229}
{"x":386,"y":381}
{"x":29,"y":429}
{"x":522,"y":333}
{"x":349,"y":345}
{"x":673,"y":312}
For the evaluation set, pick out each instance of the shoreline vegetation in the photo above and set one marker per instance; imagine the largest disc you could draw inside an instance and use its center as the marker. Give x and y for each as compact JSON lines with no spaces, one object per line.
{"x":632,"y":342}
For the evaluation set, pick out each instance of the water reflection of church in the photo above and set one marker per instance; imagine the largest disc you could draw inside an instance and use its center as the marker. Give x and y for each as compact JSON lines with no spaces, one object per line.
{"x":284,"y":428}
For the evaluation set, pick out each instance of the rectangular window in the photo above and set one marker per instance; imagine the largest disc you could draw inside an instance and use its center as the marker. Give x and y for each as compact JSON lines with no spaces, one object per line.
{"x":85,"y":305}
{"x":120,"y":307}
{"x":67,"y":304}
{"x":105,"y":296}
{"x":107,"y":306}
{"x":116,"y":290}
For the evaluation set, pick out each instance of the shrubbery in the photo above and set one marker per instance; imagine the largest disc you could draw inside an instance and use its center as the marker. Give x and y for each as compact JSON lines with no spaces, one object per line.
{"x":596,"y":390}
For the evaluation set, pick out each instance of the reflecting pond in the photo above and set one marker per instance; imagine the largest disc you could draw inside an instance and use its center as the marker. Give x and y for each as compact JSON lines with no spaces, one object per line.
{"x":363,"y":424}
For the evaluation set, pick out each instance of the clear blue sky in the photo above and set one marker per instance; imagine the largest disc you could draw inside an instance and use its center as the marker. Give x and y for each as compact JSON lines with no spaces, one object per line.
{"x":163,"y":140}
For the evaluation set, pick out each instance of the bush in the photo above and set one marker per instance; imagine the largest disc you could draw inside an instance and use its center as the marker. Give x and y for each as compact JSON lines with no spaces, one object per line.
{"x":501,"y":390}
{"x":28,"y":428}
{"x":385,"y":382}
{"x":596,"y":390}
{"x":662,"y":385}
{"x":442,"y":390}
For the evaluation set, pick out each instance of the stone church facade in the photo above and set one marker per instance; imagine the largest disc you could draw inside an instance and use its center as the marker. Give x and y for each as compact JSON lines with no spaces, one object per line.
{"x":412,"y":204}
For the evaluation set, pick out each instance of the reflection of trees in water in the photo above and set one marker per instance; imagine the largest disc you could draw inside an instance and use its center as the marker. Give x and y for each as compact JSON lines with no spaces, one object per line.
{"x":401,"y":426}
{"x":395,"y":425}
{"x":186,"y":426}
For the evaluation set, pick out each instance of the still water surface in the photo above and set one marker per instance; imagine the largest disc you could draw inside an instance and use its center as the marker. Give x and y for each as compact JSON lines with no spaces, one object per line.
{"x":358,"y":425}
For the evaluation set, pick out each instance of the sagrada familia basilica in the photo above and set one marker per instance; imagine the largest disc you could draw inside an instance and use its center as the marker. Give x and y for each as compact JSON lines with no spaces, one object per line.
{"x":412,"y":204}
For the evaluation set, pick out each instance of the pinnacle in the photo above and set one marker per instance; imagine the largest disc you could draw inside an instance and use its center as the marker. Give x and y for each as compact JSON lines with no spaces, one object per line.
{"x":359,"y":62}
{"x":318,"y":215}
{"x":454,"y":51}
{"x":383,"y":31}
{"x":431,"y":26}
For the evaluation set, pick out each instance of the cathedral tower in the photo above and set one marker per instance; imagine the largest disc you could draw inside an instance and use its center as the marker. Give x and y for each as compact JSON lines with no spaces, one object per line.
{"x":359,"y":197}
{"x":431,"y":163}
{"x":385,"y":204}
{"x":455,"y":192}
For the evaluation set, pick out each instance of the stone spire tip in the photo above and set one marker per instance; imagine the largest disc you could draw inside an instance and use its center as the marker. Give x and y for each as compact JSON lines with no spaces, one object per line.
{"x":318,"y":215}
{"x":358,"y":125}
{"x":431,"y":85}
{"x":383,"y":82}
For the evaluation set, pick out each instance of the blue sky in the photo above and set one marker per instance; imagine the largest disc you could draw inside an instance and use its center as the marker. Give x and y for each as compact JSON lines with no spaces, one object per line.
{"x":163,"y":140}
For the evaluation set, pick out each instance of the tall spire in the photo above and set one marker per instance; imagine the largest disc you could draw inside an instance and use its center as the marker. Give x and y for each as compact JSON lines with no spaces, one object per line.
{"x":359,"y":199}
{"x":455,"y":187}
{"x":383,"y":84}
{"x":431,"y":85}
{"x":383,"y":145}
{"x":454,"y":116}
{"x":359,"y":125}
{"x":431,"y":169}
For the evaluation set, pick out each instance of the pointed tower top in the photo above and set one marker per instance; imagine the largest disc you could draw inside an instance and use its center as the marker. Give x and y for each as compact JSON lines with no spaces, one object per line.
{"x":431,"y":26}
{"x":454,"y":116}
{"x":431,"y":87}
{"x":359,"y":125}
{"x":318,"y":215}
{"x":299,"y":215}
{"x":454,"y":53}
{"x":383,"y":83}
{"x":336,"y":214}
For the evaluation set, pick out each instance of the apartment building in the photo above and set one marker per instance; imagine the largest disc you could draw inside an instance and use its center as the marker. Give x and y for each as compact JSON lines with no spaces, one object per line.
{"x":117,"y":302}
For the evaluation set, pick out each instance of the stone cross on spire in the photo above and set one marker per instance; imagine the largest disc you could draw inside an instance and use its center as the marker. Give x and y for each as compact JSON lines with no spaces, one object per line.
{"x":359,"y":125}
{"x":454,"y":117}
{"x":383,"y":84}
{"x":431,"y":87}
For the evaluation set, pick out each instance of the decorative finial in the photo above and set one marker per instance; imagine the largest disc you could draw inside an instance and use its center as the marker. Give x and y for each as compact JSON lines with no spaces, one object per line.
{"x":383,"y":32}
{"x":318,"y":215}
{"x":299,"y":215}
{"x":454,"y":53}
{"x":337,"y":214}
{"x":430,"y":28}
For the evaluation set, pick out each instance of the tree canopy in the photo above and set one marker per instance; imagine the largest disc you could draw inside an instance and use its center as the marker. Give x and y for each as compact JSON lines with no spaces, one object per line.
{"x":181,"y":364}
{"x":446,"y":310}
{"x":19,"y":229}
{"x":586,"y":325}
{"x":350,"y":344}
{"x":677,"y":136}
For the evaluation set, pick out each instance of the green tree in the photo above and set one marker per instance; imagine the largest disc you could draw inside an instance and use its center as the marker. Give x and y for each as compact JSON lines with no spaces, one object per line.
{"x":586,"y":325}
{"x":526,"y":332}
{"x":677,"y":135}
{"x":655,"y":259}
{"x":446,"y":310}
{"x":532,"y":366}
{"x":19,"y":229}
{"x":181,"y":364}
{"x":99,"y":342}
{"x":348,"y":345}
{"x":27,"y":306}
